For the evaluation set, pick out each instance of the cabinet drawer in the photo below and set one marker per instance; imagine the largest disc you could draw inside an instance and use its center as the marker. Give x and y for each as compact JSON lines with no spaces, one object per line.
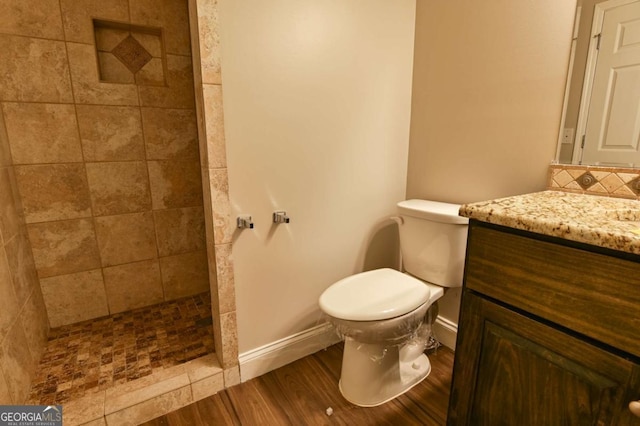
{"x":594,"y":294}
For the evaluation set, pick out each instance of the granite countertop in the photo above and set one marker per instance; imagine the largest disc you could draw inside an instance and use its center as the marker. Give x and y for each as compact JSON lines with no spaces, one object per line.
{"x":601,"y":221}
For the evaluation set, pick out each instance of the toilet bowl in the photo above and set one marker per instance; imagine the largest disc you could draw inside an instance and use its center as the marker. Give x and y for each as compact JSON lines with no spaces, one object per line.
{"x":380,"y":313}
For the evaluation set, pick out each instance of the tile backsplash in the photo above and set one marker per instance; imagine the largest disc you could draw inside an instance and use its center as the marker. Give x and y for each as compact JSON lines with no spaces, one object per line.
{"x":595,"y":180}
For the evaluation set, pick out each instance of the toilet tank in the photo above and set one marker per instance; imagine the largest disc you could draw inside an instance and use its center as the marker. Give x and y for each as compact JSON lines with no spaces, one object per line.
{"x":433,"y":241}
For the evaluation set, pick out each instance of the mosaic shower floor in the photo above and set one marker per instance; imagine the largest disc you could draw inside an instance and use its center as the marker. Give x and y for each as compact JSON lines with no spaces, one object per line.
{"x":97,"y":354}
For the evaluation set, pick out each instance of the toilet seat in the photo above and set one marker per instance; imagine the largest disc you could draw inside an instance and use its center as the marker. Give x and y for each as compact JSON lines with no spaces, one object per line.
{"x":374,"y":295}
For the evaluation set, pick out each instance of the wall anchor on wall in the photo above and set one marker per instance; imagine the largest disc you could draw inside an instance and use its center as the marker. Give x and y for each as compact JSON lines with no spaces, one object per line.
{"x":280,"y":217}
{"x":244,"y":222}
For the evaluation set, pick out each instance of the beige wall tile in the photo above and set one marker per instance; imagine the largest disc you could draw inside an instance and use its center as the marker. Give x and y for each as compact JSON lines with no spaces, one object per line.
{"x":33,"y":70}
{"x":77,"y":15}
{"x":100,"y":421}
{"x":36,"y":18}
{"x":209,"y":41}
{"x":175,"y":184}
{"x":35,"y":323}
{"x":170,"y":15}
{"x":11,"y":214}
{"x":223,"y":225}
{"x":214,"y":122}
{"x":118,"y":187}
{"x":217,"y":333}
{"x":128,"y":395}
{"x":133,"y":285}
{"x":184,"y":274}
{"x":17,"y":364}
{"x":151,"y":42}
{"x":232,"y":376}
{"x":42,"y":133}
{"x":107,"y":38}
{"x":10,"y":307}
{"x":152,"y":74}
{"x":74,"y":297}
{"x":179,"y":92}
{"x":229,"y":327}
{"x":208,"y":386}
{"x":110,"y":133}
{"x":213,"y":283}
{"x":179,"y":230}
{"x":5,"y":395}
{"x":126,"y":238}
{"x":226,"y":287}
{"x":151,"y":408}
{"x":64,"y":247}
{"x":112,"y":70}
{"x":170,"y":134}
{"x":53,"y":192}
{"x":5,"y":151}
{"x":125,"y":394}
{"x":85,"y":410}
{"x":203,"y":367}
{"x":23,"y":271}
{"x":208,"y":208}
{"x":87,"y":88}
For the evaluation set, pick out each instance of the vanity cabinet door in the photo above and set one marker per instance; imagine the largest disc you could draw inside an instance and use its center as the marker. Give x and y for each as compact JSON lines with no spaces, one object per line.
{"x":512,"y":370}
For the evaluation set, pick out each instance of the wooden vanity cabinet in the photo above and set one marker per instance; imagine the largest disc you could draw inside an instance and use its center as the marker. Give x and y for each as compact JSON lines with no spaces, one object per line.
{"x":548,"y":332}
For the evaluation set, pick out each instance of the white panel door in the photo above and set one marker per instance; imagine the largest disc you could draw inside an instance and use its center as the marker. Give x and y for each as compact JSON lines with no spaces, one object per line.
{"x":613,"y":126}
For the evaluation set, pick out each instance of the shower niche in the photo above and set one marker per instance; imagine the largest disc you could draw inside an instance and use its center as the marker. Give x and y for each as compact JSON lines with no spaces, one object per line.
{"x":130,"y":54}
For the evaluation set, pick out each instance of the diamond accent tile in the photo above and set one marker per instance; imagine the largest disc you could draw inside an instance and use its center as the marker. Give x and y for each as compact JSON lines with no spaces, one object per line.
{"x":634,"y":185}
{"x":627,"y":177}
{"x":620,"y":182}
{"x":562,"y":178}
{"x":586,"y":180}
{"x":612,"y":182}
{"x":624,"y":191}
{"x":132,"y":54}
{"x":575,"y":173}
{"x":598,"y":188}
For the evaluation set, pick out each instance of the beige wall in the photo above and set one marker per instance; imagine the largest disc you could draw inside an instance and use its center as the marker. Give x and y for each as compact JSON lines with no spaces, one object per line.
{"x":23,"y":317}
{"x":106,"y":156}
{"x":317,"y":107}
{"x":488,"y":87}
{"x":487,"y":96}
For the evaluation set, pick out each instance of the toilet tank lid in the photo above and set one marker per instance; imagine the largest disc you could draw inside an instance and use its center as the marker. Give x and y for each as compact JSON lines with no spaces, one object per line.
{"x":432,"y":210}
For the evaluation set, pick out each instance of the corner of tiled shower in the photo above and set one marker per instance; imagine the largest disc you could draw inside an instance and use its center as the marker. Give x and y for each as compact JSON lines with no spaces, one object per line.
{"x":103,"y":226}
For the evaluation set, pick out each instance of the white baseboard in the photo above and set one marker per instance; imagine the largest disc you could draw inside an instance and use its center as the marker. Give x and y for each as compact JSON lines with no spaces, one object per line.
{"x":446,"y":332}
{"x":274,"y":355}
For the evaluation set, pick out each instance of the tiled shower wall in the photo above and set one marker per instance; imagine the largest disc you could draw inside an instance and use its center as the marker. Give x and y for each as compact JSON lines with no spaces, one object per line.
{"x":220,"y":226}
{"x":23,"y":317}
{"x":105,"y":150}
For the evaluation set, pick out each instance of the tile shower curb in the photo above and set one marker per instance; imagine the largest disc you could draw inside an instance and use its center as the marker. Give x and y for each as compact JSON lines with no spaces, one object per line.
{"x":144,"y":399}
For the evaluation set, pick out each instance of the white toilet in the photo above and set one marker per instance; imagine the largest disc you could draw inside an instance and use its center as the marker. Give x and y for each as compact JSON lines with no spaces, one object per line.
{"x":379,"y":312}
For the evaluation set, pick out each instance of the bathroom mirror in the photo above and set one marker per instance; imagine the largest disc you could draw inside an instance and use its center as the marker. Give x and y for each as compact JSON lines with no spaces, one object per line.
{"x":601,"y":117}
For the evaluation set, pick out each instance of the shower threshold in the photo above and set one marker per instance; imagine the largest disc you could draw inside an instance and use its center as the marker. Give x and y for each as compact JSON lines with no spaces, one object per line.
{"x":106,"y":366}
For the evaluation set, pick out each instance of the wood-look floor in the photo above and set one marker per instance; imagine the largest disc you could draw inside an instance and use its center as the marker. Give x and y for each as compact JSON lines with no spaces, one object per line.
{"x":301,"y":392}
